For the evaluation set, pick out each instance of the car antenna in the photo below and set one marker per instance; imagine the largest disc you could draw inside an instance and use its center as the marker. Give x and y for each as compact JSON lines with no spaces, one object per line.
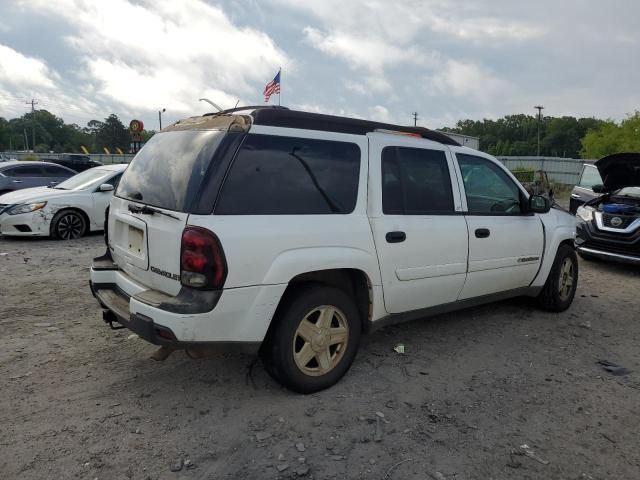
{"x":213,"y":104}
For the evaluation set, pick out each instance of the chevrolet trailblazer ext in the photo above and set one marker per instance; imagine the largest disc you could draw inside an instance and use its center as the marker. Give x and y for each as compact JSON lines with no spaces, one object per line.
{"x":297,"y":232}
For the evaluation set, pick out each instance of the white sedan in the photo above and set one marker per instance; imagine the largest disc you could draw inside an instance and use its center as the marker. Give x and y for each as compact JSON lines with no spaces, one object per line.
{"x":69,"y":210}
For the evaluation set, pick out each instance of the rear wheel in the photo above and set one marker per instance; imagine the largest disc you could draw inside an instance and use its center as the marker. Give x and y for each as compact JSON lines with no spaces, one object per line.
{"x":314,"y":340}
{"x":560,"y":288}
{"x":68,"y":225}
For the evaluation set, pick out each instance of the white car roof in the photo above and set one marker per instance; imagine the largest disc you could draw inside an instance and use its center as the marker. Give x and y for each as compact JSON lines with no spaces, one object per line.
{"x":116,"y":167}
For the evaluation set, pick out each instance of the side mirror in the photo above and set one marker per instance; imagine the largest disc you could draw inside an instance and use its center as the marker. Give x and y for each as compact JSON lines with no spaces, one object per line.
{"x":598,"y":188}
{"x":539,"y":204}
{"x":105,"y":187}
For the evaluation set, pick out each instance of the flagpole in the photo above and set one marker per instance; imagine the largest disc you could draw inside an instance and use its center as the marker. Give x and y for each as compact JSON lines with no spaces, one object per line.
{"x":279,"y":89}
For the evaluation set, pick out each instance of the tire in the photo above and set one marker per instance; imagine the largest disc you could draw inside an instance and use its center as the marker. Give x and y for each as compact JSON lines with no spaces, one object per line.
{"x":68,"y":225}
{"x":297,"y":354}
{"x":557,"y":293}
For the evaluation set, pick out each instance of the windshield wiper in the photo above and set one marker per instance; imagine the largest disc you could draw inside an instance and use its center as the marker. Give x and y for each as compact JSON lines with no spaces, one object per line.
{"x":147,"y":210}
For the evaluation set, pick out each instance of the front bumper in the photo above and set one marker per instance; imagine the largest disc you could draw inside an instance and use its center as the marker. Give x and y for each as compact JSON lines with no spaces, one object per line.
{"x":607,"y":245}
{"x":33,"y":224}
{"x":237,"y":318}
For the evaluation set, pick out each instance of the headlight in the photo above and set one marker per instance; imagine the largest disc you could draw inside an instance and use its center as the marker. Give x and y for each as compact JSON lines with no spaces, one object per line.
{"x":26,"y":208}
{"x":585,"y":213}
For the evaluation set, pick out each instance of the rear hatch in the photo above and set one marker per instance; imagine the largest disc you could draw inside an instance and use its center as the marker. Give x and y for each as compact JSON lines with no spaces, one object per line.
{"x":151,"y":206}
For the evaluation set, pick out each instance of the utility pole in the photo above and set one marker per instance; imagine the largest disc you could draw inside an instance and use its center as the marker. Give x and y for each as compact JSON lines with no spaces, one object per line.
{"x":33,"y":123}
{"x":539,"y":108}
{"x":415,"y":119}
{"x":160,"y":112}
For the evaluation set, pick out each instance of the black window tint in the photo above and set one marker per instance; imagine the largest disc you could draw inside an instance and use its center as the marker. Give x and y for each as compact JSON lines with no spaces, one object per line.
{"x":168,"y":171}
{"x":51,"y":171}
{"x":488,"y":188}
{"x":415,"y":182}
{"x":287,"y":175}
{"x":28,"y":171}
{"x":114,"y":181}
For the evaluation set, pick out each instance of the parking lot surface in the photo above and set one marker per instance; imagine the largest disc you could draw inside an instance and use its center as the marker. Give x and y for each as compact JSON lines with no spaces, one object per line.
{"x":503,"y":391}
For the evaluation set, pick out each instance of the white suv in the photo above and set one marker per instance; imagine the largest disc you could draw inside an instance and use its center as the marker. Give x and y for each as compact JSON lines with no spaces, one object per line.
{"x":297,"y":232}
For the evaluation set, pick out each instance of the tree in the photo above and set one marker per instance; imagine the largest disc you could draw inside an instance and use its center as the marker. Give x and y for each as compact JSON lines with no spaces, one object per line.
{"x":111,"y":134}
{"x":518,"y":134}
{"x":611,"y":138}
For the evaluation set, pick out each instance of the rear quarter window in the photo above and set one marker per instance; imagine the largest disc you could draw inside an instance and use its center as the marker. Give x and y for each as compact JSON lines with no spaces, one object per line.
{"x":274,"y":175}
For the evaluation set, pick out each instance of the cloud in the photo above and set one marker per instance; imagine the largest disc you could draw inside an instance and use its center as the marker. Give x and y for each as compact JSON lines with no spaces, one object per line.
{"x":20,"y":70}
{"x":462,"y":79}
{"x":163,"y":53}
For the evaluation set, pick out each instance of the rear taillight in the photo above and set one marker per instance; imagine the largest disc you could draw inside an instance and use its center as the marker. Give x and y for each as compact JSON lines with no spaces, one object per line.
{"x":202,"y":261}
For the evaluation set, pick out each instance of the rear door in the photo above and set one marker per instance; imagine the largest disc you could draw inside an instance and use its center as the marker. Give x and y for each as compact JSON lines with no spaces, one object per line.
{"x":416,"y":218}
{"x":150,"y":208}
{"x":26,"y":176}
{"x":505,"y":242}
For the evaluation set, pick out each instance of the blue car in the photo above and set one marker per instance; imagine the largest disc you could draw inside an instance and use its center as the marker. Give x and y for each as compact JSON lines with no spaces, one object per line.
{"x":19,"y":175}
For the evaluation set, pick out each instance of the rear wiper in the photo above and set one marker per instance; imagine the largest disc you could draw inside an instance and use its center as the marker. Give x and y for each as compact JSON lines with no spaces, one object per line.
{"x":147,"y":210}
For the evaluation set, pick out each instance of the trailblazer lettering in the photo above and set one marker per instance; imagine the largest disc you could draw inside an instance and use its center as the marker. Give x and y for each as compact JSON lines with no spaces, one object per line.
{"x":164,"y":273}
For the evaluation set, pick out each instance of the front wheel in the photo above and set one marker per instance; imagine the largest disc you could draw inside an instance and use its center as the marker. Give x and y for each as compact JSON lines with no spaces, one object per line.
{"x":560,"y":288}
{"x":314,"y":340}
{"x":68,"y":225}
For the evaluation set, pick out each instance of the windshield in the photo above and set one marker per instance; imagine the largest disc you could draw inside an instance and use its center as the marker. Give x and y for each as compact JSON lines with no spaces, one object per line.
{"x":167,"y":172}
{"x":85,"y":179}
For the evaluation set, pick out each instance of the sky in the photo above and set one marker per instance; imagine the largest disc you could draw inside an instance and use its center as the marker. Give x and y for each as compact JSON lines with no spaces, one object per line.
{"x":377,"y":59}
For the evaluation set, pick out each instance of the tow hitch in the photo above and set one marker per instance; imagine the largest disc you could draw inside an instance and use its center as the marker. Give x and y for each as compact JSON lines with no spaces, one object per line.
{"x":109,"y":317}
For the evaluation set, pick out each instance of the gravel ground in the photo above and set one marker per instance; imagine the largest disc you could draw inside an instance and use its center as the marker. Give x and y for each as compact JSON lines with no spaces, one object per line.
{"x":82,"y":401}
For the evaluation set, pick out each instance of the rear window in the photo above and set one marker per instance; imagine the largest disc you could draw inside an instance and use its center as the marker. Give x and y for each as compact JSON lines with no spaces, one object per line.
{"x":169,"y":169}
{"x":275,"y":175}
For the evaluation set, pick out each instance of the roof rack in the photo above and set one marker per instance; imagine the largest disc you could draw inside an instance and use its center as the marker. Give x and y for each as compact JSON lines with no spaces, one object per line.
{"x":248,"y":107}
{"x":283,"y":117}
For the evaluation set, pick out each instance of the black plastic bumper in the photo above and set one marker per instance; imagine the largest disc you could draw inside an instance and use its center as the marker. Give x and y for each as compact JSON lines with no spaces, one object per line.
{"x":614,"y":246}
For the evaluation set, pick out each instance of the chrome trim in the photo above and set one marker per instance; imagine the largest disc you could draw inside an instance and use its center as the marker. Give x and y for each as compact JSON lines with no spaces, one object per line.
{"x":632,"y":226}
{"x":609,"y":255}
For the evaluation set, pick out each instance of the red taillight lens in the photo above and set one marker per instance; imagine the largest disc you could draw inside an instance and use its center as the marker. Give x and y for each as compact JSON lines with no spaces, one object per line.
{"x":202,"y":260}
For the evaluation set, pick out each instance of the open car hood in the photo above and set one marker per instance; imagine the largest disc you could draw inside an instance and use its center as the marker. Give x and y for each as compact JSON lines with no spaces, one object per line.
{"x":619,"y":170}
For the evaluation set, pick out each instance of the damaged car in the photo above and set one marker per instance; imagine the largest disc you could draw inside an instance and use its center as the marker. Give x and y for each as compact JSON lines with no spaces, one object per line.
{"x":66,"y":211}
{"x":608,"y":227}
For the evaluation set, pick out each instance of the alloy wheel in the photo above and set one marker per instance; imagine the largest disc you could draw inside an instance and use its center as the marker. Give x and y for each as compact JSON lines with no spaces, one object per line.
{"x":567,"y":277}
{"x":70,"y":226}
{"x":320,"y":340}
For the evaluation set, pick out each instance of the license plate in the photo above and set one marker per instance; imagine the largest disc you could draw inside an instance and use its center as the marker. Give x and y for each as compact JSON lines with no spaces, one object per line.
{"x":136,"y":241}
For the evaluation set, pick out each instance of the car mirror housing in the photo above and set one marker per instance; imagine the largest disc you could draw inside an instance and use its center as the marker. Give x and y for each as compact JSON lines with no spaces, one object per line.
{"x":539,"y":204}
{"x":598,"y":188}
{"x":105,"y":187}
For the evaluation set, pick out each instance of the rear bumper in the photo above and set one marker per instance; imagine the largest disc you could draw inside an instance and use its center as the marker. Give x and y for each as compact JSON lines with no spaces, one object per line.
{"x":240,"y":318}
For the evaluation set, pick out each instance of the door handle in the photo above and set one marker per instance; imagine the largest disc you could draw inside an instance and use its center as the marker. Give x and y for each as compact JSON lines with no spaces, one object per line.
{"x":482,"y":233}
{"x":16,"y":181}
{"x":575,"y":195}
{"x":396,"y":237}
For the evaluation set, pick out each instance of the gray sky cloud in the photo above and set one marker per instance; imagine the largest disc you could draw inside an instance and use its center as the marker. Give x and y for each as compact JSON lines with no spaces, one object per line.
{"x":369,"y":58}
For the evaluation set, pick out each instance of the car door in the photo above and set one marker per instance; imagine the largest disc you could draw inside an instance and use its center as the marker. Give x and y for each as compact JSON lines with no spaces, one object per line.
{"x":55,"y":174}
{"x":26,"y":176}
{"x":505,"y":241}
{"x":100,"y":201}
{"x":416,"y":218}
{"x":583,"y":191}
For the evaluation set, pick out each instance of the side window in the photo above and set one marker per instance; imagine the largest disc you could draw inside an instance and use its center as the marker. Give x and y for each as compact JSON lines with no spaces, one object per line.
{"x":114,"y":181}
{"x":488,"y":188}
{"x":28,"y":171}
{"x":415,"y":181}
{"x":9,"y":172}
{"x":51,"y":171}
{"x":273,"y":175}
{"x":590,"y":177}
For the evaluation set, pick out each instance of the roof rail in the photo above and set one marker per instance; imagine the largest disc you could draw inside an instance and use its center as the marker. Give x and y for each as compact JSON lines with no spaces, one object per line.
{"x":283,"y":117}
{"x":248,"y":107}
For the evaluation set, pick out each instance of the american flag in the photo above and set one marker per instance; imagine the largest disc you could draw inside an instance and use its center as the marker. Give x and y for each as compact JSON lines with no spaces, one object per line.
{"x":272,"y":87}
